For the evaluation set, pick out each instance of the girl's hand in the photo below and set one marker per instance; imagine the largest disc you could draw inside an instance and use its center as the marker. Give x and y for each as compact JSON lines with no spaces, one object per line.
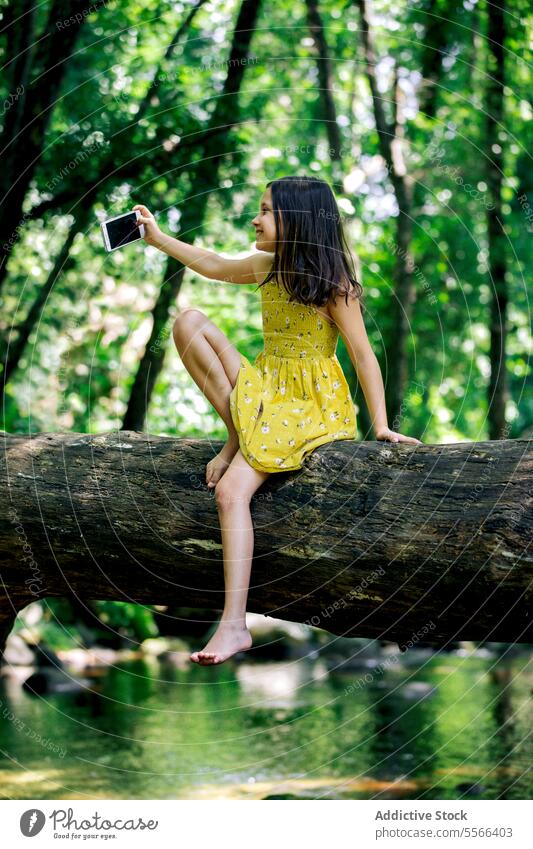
{"x":391,"y":436}
{"x":152,"y":233}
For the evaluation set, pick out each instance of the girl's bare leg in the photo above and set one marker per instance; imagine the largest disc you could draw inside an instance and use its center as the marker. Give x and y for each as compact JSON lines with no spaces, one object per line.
{"x":233,"y":495}
{"x":213,"y":363}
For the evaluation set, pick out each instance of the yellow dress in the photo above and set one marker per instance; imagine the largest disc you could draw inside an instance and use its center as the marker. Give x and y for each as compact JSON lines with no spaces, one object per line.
{"x":294,"y":396}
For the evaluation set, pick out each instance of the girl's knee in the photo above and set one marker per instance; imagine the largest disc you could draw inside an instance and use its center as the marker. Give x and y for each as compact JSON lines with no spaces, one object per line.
{"x":190,"y":315}
{"x":227,"y":496}
{"x":185,"y":321}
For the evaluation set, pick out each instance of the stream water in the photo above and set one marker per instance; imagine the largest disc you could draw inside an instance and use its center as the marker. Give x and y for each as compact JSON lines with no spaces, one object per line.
{"x":426,"y":726}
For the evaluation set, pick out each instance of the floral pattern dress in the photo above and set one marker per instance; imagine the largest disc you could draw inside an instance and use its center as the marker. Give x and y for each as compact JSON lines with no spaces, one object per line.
{"x":294,"y":396}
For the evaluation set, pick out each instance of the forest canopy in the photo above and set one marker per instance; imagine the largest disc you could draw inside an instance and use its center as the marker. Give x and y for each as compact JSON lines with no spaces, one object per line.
{"x":418,"y":114}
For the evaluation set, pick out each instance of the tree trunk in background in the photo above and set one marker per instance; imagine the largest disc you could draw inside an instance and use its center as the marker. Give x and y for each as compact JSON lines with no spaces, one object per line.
{"x":152,"y":360}
{"x":204,"y":176}
{"x":326,"y":80}
{"x":23,"y":136}
{"x":390,"y":142}
{"x":63,"y":201}
{"x":495,"y":81}
{"x":18,"y":25}
{"x":328,"y":114}
{"x":83,"y":198}
{"x":436,"y":17}
{"x":12,"y":349}
{"x":183,"y":28}
{"x":366,"y":540}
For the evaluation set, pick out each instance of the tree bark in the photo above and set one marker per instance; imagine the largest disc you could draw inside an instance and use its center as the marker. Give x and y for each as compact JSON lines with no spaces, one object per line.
{"x":367,"y":540}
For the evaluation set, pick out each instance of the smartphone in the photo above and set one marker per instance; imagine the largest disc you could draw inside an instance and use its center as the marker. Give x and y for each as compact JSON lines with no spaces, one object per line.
{"x":121,"y":230}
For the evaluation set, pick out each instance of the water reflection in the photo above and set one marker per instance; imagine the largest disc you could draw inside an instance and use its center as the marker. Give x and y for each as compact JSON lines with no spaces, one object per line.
{"x":428,"y":726}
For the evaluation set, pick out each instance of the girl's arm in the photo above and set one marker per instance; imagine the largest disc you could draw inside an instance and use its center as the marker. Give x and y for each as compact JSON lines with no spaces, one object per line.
{"x":209,"y":264}
{"x":351,"y":326}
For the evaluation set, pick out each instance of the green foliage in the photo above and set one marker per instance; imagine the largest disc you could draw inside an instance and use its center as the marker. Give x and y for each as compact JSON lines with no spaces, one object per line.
{"x":79,"y":365}
{"x":127,"y":618}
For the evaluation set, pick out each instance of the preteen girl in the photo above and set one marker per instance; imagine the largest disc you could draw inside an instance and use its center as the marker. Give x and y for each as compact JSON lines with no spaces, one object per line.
{"x":294,"y":396}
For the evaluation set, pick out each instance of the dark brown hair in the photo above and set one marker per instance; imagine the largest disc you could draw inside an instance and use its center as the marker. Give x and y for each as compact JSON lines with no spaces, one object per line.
{"x":312,"y":257}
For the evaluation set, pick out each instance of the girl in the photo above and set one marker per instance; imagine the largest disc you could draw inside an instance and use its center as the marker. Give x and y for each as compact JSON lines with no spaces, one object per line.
{"x":294,"y":396}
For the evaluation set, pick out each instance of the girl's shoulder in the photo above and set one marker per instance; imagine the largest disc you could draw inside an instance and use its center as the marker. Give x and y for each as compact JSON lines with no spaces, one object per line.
{"x":262,"y":264}
{"x":345,"y":292}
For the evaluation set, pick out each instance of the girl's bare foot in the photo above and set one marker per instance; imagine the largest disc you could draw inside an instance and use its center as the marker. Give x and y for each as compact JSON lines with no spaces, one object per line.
{"x":228,"y":639}
{"x":218,"y":465}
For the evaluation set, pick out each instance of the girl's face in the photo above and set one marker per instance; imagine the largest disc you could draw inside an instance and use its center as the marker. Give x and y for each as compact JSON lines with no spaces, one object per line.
{"x":265,"y":226}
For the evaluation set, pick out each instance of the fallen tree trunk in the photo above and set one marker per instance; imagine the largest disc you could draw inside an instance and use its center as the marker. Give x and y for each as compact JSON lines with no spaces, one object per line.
{"x":368,"y":539}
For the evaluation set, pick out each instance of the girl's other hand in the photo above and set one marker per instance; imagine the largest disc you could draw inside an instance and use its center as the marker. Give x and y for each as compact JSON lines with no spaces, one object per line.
{"x":152,"y":233}
{"x":389,"y":435}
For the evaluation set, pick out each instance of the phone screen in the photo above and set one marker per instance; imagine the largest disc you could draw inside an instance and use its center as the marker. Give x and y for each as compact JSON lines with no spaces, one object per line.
{"x":123,"y":230}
